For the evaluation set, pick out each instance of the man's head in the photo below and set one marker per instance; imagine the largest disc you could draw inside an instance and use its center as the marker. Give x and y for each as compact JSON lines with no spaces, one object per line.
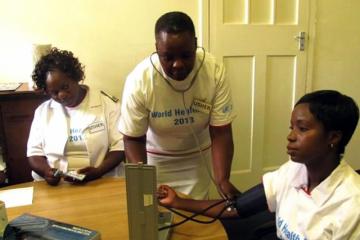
{"x":176,"y":44}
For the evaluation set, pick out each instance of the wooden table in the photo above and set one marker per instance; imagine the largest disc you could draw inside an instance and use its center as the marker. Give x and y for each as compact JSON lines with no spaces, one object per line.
{"x":99,"y":205}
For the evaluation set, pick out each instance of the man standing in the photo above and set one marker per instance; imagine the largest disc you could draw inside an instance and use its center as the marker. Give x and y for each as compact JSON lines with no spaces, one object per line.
{"x":177,"y":112}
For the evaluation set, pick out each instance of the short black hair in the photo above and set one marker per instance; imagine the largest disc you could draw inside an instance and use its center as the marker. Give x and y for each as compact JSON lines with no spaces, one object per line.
{"x":335,"y":111}
{"x":174,"y":22}
{"x":60,"y":60}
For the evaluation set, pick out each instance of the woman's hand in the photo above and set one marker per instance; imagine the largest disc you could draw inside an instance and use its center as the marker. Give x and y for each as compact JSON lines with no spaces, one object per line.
{"x":50,"y":178}
{"x":167,"y":196}
{"x":91,"y":173}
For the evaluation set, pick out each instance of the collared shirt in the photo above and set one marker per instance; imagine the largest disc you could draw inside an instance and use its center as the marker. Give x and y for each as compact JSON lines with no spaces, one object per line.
{"x":49,"y":132}
{"x":330,"y":211}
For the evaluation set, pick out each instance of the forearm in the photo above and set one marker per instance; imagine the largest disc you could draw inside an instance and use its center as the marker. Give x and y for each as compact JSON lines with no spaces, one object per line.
{"x":39,"y":165}
{"x":244,"y":205}
{"x":135,"y":149}
{"x":111,"y":160}
{"x":197,"y":206}
{"x":222,"y":151}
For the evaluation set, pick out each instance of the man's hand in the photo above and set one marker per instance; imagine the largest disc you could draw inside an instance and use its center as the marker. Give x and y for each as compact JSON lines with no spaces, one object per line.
{"x":227,"y":189}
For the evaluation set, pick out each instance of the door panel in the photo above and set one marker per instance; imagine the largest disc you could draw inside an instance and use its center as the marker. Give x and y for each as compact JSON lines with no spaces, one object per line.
{"x":242,"y":68}
{"x":256,"y":41}
{"x":278,"y":99}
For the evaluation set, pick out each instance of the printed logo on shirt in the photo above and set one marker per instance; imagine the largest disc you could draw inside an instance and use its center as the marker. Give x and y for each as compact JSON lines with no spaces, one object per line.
{"x":286,"y":232}
{"x":227,"y":108}
{"x":201,"y":106}
{"x":75,"y":135}
{"x":96,"y":127}
{"x":180,"y":116}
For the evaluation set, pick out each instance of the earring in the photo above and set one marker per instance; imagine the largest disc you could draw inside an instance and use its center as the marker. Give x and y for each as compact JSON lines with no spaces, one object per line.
{"x":331,"y":145}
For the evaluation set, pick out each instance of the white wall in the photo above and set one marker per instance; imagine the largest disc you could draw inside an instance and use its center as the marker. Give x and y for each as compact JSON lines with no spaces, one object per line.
{"x":108,"y":36}
{"x":111,"y":36}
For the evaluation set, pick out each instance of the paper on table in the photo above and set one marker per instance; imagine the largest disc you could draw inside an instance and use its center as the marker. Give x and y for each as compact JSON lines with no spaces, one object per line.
{"x":9,"y":86}
{"x":17,"y":197}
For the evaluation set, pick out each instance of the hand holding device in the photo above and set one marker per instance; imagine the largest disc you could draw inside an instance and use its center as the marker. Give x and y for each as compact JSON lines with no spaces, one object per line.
{"x":71,"y":175}
{"x":91,"y":173}
{"x":75,"y":175}
{"x":51,"y":178}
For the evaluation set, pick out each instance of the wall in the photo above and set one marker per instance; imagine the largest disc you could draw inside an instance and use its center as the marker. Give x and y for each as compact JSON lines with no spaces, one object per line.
{"x":111,"y":36}
{"x":108,"y":36}
{"x":337,"y":55}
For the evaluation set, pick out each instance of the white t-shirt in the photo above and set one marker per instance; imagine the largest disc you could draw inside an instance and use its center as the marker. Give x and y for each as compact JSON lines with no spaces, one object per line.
{"x":75,"y":149}
{"x":330,"y":211}
{"x":170,"y":119}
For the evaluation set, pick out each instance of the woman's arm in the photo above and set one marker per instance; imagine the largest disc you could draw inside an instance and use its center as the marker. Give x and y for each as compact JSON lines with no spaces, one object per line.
{"x":40,"y":165}
{"x":249,"y":203}
{"x":111,"y":160}
{"x":168,"y":198}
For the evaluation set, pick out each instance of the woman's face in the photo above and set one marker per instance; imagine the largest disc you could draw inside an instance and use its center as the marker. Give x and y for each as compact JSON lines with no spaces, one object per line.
{"x":176,"y":53}
{"x":62,"y":89}
{"x":308,"y":142}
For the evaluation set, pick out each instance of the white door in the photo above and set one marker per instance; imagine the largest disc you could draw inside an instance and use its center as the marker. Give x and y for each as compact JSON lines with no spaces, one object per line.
{"x":256,"y":40}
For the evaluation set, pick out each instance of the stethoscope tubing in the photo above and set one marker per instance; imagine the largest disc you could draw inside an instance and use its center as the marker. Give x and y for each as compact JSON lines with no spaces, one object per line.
{"x":167,"y":80}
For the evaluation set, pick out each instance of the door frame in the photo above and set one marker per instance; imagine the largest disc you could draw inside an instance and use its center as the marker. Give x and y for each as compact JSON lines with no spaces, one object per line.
{"x":204,"y":23}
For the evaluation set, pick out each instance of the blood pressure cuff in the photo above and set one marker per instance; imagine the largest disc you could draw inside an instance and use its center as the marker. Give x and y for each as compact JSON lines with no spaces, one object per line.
{"x":251,"y":202}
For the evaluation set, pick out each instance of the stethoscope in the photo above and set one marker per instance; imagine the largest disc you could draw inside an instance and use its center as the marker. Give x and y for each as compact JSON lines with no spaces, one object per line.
{"x":167,"y":80}
{"x":183,"y":98}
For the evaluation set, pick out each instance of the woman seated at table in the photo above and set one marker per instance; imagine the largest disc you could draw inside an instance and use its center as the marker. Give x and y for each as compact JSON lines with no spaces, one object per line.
{"x":76,"y":128}
{"x":316,"y":194}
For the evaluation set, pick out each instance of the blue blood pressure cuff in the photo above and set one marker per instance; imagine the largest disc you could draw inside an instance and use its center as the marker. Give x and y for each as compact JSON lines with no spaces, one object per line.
{"x":251,"y":202}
